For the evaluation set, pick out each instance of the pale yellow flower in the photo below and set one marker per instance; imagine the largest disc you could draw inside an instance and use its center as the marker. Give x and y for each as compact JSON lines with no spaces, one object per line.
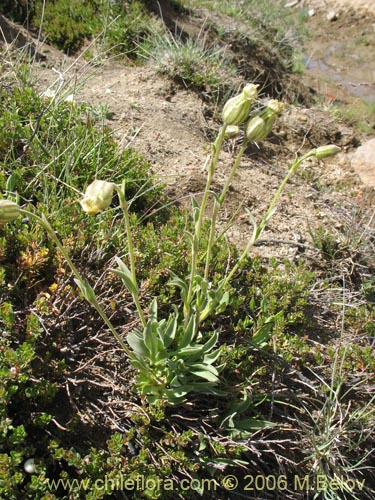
{"x":98,"y":197}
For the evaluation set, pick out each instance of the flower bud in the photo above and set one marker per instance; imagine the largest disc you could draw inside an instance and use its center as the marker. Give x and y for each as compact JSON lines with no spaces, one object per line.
{"x":237,"y":109}
{"x":231,"y":132}
{"x":255,"y":129}
{"x":9,"y":211}
{"x":260,"y":126}
{"x":98,"y":197}
{"x":326,"y":151}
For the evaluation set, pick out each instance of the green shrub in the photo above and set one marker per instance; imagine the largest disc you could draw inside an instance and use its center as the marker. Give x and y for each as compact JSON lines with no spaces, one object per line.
{"x":192,"y":64}
{"x":127,"y":27}
{"x":67,"y":23}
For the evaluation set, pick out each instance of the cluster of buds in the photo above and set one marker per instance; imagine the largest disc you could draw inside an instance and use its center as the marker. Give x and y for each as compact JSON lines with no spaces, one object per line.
{"x":98,"y":197}
{"x":236,"y":112}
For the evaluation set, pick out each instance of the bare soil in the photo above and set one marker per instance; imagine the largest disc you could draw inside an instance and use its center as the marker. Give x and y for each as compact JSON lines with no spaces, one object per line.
{"x":171,"y":127}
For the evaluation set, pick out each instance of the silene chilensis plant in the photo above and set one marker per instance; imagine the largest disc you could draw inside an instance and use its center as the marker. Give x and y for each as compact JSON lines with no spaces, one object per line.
{"x":172,"y":357}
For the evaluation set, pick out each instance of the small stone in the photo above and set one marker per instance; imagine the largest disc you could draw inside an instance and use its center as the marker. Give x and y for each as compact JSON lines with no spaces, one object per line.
{"x":332,"y":16}
{"x":311,"y":12}
{"x":293,"y":3}
{"x":30,"y":466}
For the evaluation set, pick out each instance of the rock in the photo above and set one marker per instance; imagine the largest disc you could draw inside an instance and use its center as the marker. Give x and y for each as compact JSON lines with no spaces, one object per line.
{"x":363,"y":162}
{"x":311,"y":12}
{"x":332,"y":16}
{"x":292,"y":4}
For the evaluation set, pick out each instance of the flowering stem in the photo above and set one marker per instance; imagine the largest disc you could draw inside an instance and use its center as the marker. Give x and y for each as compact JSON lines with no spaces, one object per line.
{"x":125,"y":209}
{"x":85,"y":287}
{"x":216,"y":148}
{"x":258,"y":231}
{"x":218,"y":204}
{"x":277,"y":195}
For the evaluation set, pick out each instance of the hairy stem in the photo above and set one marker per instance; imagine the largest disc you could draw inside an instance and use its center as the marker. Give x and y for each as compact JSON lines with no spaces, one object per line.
{"x":125,"y":210}
{"x":258,"y":230}
{"x":218,"y":204}
{"x":216,"y":148}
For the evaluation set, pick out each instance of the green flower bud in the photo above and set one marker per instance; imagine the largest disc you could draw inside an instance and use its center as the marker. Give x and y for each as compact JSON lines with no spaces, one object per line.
{"x":9,"y":211}
{"x":231,"y":132}
{"x":255,"y":129}
{"x":260,"y":126}
{"x":326,"y":151}
{"x":237,"y":109}
{"x":98,"y":197}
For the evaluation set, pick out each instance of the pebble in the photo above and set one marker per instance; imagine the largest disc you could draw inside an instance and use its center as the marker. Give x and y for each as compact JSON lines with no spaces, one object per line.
{"x":332,"y":15}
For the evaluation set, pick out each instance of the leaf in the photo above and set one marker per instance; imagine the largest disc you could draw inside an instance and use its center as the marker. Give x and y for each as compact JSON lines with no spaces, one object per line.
{"x":262,"y":336}
{"x":212,"y":357}
{"x":195,"y":209}
{"x":170,"y":330}
{"x":207,"y":372}
{"x":211,"y":342}
{"x":179,"y":283}
{"x":153,"y":310}
{"x":189,"y":351}
{"x":223,"y":303}
{"x":151,"y":341}
{"x":188,"y":335}
{"x":126,"y":276}
{"x":255,"y":234}
{"x":136,"y":342}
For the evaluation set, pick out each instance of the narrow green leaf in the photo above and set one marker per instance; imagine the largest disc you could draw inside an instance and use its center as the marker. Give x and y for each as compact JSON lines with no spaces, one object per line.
{"x":126,"y":276}
{"x":170,"y":330}
{"x":211,"y":342}
{"x":151,"y":341}
{"x":195,"y":209}
{"x":188,"y":336}
{"x":153,"y":310}
{"x":212,"y":357}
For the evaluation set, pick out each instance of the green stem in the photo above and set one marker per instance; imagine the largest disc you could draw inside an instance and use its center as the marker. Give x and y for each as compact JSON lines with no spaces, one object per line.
{"x":277,"y":195}
{"x":258,"y":231}
{"x":216,"y":148}
{"x":125,"y":209}
{"x":86,"y":288}
{"x":218,"y":204}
